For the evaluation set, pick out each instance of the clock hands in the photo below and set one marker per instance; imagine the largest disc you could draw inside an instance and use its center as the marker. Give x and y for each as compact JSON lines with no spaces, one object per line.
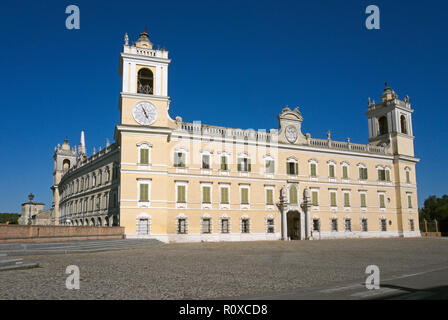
{"x":144,"y":111}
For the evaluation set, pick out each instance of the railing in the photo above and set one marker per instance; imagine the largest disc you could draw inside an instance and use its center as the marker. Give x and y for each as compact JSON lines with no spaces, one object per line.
{"x":198,"y":128}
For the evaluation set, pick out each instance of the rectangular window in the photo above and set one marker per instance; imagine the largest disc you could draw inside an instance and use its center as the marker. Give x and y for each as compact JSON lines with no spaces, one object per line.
{"x":292,"y":168}
{"x":408,"y":177}
{"x":348,"y":224}
{"x":382,"y":202}
{"x":269,"y":196}
{"x":331,"y":171}
{"x":363,"y":200}
{"x":382,"y":175}
{"x":316,"y":225}
{"x":224,"y":195}
{"x":224,"y":165}
{"x":270,"y":166}
{"x":411,"y":225}
{"x":270,"y":225}
{"x":333,"y":199}
{"x":206,"y":225}
{"x":383,"y":224}
{"x":206,"y":194}
{"x":181,"y":194}
{"x":144,"y":188}
{"x":205,"y":161}
{"x":334,"y":225}
{"x":409,"y":201}
{"x":144,"y":156}
{"x":181,"y":226}
{"x":314,"y":196}
{"x":244,"y":196}
{"x":313,"y":170}
{"x":245,"y":226}
{"x":364,"y":225}
{"x":344,"y":172}
{"x":388,"y":175}
{"x":362,"y":173}
{"x":225,"y":226}
{"x":244,"y":165}
{"x":346,"y":199}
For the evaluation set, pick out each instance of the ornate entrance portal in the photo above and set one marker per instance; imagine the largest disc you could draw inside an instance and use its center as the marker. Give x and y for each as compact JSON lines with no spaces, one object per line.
{"x":294,"y":225}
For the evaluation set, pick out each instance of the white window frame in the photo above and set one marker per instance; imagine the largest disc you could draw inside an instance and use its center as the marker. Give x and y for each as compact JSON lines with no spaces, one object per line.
{"x":362,"y":165}
{"x":184,"y":151}
{"x":380,"y":221}
{"x":335,"y":207}
{"x":266,"y":159}
{"x":382,"y":193}
{"x":244,"y":186}
{"x":351,"y":225}
{"x":181,"y":205}
{"x":245,"y":217}
{"x":210,"y":160}
{"x":227,"y":156}
{"x":144,"y":204}
{"x":313,"y":207}
{"x":244,"y":155}
{"x":360,"y":202}
{"x":179,"y":217}
{"x":406,"y":171}
{"x":345,"y":164}
{"x":367,"y":224}
{"x":205,"y":217}
{"x":269,"y":217}
{"x":315,"y":162}
{"x":224,"y":205}
{"x":349,"y":200}
{"x":143,"y":216}
{"x":294,"y":161}
{"x":206,"y":205}
{"x":225,"y":217}
{"x":269,"y":206}
{"x":331,"y":163}
{"x":147,"y":146}
{"x":409,"y":195}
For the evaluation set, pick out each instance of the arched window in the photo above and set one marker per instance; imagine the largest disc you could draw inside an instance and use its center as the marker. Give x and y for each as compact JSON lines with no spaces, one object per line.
{"x":66,"y":164}
{"x":404,"y":128}
{"x":145,"y":81}
{"x":382,"y":121}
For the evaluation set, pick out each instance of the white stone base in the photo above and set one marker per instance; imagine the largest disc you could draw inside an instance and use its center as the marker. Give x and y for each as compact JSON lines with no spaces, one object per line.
{"x":212,"y":237}
{"x":218,"y":237}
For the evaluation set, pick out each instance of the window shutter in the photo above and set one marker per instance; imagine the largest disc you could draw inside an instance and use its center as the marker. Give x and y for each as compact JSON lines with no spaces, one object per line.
{"x":344,"y":172}
{"x":361,"y":175}
{"x":332,"y":171}
{"x":206,"y":194}
{"x":313,"y":169}
{"x":293,"y":195}
{"x":382,"y":205}
{"x":144,"y":156}
{"x":408,"y":177}
{"x":346,"y":200}
{"x":239,"y":164}
{"x":296,"y":168}
{"x":387,"y":175}
{"x":181,"y":194}
{"x":409,"y":202}
{"x":333,"y":199}
{"x":363,"y":200}
{"x":288,"y":168}
{"x":315,"y":203}
{"x":182,"y":161}
{"x":248,"y":165}
{"x":224,"y":195}
{"x":269,"y":197}
{"x":244,"y":196}
{"x":143,"y":192}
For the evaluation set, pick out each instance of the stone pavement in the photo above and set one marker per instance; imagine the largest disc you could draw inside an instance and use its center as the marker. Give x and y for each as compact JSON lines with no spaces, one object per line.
{"x":223,"y":270}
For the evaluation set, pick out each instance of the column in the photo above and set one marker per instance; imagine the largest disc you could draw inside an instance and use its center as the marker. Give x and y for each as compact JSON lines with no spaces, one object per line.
{"x":285,"y":224}
{"x":158,"y":85}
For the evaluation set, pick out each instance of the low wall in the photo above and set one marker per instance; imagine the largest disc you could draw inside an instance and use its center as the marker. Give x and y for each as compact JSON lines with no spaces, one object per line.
{"x":19,"y":233}
{"x":431,"y":234}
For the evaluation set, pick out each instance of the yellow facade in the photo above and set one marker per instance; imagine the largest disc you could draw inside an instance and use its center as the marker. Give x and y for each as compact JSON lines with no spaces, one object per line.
{"x":172,"y":190}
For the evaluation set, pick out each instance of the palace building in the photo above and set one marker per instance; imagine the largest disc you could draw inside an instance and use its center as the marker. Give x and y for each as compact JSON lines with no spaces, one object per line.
{"x":174,"y":181}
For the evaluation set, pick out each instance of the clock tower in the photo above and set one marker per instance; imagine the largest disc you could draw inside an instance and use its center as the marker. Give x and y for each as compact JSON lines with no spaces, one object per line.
{"x":144,"y":97}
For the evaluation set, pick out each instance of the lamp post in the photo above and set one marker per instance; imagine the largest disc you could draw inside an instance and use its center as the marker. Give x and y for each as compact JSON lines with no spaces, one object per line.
{"x":306,"y":206}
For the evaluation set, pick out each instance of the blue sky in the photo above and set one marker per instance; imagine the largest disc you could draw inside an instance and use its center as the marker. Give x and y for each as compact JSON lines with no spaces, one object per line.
{"x":230,"y":60}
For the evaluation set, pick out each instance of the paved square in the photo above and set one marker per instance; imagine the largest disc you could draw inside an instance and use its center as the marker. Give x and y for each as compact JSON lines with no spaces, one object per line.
{"x":220,"y":270}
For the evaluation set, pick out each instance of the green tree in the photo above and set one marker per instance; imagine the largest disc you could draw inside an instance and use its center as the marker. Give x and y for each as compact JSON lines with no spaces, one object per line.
{"x":13,"y":218}
{"x":435,"y":208}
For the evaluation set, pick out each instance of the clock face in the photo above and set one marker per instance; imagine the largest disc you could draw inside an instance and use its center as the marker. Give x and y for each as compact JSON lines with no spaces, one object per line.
{"x":145,"y":113}
{"x":291,"y":134}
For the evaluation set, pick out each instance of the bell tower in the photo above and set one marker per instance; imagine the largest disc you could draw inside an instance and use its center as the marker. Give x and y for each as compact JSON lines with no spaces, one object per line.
{"x":390,"y":123}
{"x":144,"y":97}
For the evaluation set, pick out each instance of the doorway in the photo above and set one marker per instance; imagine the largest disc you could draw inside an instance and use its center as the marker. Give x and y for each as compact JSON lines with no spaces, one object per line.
{"x":293,"y":223}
